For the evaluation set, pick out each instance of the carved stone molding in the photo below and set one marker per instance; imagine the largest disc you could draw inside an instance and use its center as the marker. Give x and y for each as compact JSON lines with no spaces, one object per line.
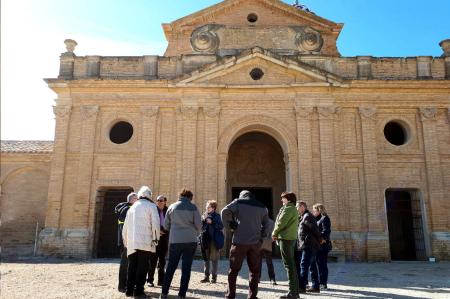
{"x":308,"y":40}
{"x":328,"y":111}
{"x":428,"y":113}
{"x":89,"y":111}
{"x":187,"y":112}
{"x":62,"y":111}
{"x":367,"y":112}
{"x":211,"y":111}
{"x":304,"y":112}
{"x":204,"y":39}
{"x":149,"y":111}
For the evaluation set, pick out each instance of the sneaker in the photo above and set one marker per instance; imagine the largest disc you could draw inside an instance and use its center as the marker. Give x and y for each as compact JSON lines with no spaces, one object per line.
{"x":204,"y":280}
{"x":273,"y":282}
{"x":323,"y":287}
{"x":289,"y":296}
{"x":214,"y":280}
{"x":313,"y":290}
{"x":151,"y":285}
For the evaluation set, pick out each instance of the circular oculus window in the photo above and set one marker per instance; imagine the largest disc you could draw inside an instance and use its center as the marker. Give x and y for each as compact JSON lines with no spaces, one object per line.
{"x":256,"y":74}
{"x":121,"y":132}
{"x":396,"y":133}
{"x":252,"y":18}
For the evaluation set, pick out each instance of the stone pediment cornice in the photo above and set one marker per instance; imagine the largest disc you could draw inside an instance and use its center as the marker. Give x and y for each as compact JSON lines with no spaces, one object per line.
{"x":223,"y":7}
{"x":225,"y":65}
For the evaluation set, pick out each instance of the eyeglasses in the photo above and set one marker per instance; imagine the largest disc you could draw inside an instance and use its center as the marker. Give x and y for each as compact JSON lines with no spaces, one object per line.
{"x":161,"y":200}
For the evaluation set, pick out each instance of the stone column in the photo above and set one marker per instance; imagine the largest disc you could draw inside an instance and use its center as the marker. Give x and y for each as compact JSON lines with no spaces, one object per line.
{"x":222,"y":179}
{"x":148,"y":145}
{"x":189,"y":146}
{"x":377,"y":241}
{"x":305,"y":166}
{"x":328,"y":161}
{"x":85,"y":165}
{"x":436,"y":211}
{"x":55,"y":188}
{"x":211,"y":139}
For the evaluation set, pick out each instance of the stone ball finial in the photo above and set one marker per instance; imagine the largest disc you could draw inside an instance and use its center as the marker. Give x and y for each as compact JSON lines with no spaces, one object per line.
{"x":70,"y":45}
{"x":445,"y":45}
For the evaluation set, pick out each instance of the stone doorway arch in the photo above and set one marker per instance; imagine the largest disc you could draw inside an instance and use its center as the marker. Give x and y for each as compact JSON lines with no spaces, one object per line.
{"x":261,"y":124}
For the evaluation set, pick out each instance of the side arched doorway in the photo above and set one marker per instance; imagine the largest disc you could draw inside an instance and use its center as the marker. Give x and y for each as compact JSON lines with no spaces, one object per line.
{"x":256,"y":163}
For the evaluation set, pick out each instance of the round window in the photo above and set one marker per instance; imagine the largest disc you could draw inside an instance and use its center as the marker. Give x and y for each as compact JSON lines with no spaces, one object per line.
{"x":256,"y":74}
{"x":121,"y":132}
{"x":396,"y":133}
{"x":252,"y":18}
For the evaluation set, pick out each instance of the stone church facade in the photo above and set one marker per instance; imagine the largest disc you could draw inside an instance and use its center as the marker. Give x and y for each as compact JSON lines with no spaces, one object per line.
{"x":249,"y":94}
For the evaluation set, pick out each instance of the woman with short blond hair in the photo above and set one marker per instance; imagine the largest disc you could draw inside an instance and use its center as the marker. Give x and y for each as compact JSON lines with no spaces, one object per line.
{"x":324,"y":224}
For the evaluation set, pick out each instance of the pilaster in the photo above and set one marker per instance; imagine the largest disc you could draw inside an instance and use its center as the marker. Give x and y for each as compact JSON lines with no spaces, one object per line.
{"x":83,"y":198}
{"x":212,"y":114}
{"x":148,"y":145}
{"x":327,"y":115}
{"x":305,"y":166}
{"x":56,"y":183}
{"x":435,"y":184}
{"x":373,"y":212}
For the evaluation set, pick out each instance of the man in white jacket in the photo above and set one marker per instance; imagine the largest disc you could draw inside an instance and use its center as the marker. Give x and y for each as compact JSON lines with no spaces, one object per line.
{"x":140,"y":236}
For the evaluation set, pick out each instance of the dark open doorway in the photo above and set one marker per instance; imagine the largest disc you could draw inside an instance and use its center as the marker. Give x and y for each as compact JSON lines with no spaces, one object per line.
{"x":406,"y":236}
{"x":263,"y":195}
{"x":106,"y":225}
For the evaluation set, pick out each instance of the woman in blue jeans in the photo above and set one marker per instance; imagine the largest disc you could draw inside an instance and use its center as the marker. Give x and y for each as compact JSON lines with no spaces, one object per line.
{"x":324,"y":224}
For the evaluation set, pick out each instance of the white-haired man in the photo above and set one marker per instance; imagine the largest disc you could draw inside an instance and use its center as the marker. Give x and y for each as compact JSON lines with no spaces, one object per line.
{"x":141,"y":232}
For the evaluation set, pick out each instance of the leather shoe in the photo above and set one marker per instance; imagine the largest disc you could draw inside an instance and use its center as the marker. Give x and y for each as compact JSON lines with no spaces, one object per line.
{"x":313,"y":290}
{"x":289,"y":296}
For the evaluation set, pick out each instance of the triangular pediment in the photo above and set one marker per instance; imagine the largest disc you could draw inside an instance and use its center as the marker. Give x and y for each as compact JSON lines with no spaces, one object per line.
{"x":228,"y":10}
{"x":243,"y":70}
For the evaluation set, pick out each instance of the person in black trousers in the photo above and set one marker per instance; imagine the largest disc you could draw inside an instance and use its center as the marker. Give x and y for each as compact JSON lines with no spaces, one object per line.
{"x":159,"y":259}
{"x":324,"y":224}
{"x":121,"y":212}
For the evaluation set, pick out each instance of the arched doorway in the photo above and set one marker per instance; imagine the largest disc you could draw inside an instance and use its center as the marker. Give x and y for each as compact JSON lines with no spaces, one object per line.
{"x":256,"y":163}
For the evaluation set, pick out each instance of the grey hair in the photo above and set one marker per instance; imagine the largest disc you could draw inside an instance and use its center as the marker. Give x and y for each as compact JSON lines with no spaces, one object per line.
{"x":245,"y":194}
{"x":130,"y":196}
{"x":145,"y":191}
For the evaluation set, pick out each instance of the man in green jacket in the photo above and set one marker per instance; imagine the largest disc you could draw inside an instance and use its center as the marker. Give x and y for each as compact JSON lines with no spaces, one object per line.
{"x":285,"y":233}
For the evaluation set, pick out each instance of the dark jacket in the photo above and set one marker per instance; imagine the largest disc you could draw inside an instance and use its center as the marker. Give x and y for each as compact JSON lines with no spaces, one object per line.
{"x":164,"y":239}
{"x":208,"y":230}
{"x":324,"y":224}
{"x":308,"y":232}
{"x":252,"y":219}
{"x":121,"y":211}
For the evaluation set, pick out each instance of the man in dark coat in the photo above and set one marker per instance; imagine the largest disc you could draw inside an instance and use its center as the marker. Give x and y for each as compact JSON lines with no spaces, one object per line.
{"x":159,"y":259}
{"x":249,"y":219}
{"x":121,"y":212}
{"x":308,"y":245}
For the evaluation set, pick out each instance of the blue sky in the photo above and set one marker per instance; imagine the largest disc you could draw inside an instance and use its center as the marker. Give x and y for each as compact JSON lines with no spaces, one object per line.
{"x":33,"y":33}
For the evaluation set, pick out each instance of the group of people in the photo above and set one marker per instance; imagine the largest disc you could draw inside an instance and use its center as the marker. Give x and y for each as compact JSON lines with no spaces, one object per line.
{"x":149,"y":230}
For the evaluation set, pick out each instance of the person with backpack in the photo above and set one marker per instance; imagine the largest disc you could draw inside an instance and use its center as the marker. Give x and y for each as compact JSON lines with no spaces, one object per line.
{"x":211,"y":240}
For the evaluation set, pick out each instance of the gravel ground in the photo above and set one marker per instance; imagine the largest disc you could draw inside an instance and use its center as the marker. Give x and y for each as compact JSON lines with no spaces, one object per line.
{"x":42,"y":278}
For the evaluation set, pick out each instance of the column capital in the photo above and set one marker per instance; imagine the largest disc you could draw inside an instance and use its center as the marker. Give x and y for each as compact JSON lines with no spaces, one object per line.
{"x":367,"y":112}
{"x":150,"y":111}
{"x":89,"y":111}
{"x":211,"y":111}
{"x":428,"y":113}
{"x":187,"y":112}
{"x":62,"y":111}
{"x":303,"y":112}
{"x":328,"y":111}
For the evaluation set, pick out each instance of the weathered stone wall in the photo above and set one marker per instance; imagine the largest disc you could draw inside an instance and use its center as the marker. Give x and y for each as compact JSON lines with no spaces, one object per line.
{"x":23,"y":199}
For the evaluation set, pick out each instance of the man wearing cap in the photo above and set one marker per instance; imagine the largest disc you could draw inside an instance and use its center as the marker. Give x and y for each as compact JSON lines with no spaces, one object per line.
{"x":249,"y":220}
{"x":121,"y":212}
{"x":159,"y":259}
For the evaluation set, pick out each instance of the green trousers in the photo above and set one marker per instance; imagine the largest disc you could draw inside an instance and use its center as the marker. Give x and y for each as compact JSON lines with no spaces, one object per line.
{"x":287,"y":248}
